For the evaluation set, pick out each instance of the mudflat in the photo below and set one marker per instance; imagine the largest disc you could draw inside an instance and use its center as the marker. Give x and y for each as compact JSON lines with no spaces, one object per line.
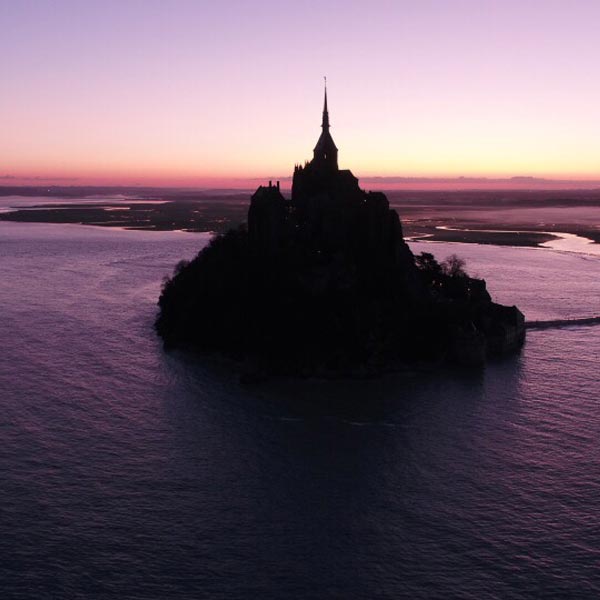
{"x":502,"y":217}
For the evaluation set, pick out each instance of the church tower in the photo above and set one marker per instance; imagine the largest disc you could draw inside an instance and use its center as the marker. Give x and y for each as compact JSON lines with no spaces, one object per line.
{"x":325,"y":153}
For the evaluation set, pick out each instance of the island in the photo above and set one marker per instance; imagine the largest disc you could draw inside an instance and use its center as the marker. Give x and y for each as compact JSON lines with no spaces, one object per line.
{"x":324,"y":283}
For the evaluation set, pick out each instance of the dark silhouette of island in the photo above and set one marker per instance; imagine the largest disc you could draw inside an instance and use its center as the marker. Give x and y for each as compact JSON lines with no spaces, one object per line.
{"x":325,"y":283}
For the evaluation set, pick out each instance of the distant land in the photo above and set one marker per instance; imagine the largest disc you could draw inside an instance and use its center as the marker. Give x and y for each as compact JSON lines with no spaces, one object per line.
{"x":466,"y":183}
{"x":520,"y":182}
{"x":483,"y":183}
{"x":518,"y":217}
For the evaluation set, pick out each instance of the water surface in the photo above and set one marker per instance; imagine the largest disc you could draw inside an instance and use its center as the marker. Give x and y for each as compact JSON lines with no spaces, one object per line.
{"x":128,"y":472}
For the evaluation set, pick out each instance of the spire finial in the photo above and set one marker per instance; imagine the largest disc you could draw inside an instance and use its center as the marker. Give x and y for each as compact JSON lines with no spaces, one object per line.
{"x":325,"y":124}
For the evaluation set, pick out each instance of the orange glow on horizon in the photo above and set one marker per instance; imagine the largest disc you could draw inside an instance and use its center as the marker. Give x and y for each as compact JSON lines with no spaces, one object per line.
{"x":191,"y":97}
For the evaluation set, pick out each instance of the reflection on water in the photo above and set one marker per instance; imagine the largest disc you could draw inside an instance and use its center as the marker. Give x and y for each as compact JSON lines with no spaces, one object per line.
{"x":565,"y":242}
{"x":13,"y":203}
{"x":568,"y":242}
{"x":129,"y":472}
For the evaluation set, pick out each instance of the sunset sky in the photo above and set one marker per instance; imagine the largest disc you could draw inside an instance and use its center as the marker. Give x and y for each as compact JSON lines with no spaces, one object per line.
{"x":188,"y":92}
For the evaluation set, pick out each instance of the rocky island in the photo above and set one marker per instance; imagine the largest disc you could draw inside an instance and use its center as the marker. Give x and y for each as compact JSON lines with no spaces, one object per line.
{"x":324,"y":283}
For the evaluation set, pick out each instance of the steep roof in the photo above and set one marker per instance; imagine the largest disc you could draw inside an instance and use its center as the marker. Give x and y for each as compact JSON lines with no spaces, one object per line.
{"x":326,"y":150}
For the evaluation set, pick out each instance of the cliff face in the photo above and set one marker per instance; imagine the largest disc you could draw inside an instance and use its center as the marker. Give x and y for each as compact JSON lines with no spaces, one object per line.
{"x":324,"y":282}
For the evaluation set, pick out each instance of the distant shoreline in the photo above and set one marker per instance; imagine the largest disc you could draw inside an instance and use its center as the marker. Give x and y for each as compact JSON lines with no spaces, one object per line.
{"x":528,"y":219}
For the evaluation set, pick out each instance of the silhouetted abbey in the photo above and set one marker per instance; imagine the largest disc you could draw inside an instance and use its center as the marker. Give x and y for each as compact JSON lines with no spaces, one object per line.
{"x":325,"y":283}
{"x":328,"y":211}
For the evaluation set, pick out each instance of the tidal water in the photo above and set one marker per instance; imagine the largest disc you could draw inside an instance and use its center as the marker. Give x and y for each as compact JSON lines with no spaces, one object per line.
{"x":131,"y":473}
{"x":13,"y":203}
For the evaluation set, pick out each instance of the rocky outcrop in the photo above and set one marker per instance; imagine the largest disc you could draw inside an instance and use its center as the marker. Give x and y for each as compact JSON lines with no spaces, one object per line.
{"x":324,"y":283}
{"x":299,"y":296}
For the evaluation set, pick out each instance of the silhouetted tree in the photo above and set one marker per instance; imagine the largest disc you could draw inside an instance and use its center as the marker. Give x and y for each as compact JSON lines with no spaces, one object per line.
{"x":427,"y":262}
{"x":454,"y":266}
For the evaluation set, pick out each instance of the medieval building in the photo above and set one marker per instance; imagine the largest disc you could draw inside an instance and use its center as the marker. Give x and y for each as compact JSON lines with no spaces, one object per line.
{"x":328,"y":211}
{"x":324,"y":282}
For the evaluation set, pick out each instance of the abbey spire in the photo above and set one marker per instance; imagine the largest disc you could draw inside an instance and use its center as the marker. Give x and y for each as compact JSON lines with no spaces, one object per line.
{"x":325,"y":124}
{"x":325,"y":152}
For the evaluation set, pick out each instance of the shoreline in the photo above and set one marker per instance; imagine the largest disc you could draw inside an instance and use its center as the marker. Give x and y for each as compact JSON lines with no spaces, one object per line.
{"x":439,"y":233}
{"x":562,"y":228}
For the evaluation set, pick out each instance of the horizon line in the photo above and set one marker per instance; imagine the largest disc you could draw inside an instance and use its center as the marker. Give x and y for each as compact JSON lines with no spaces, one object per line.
{"x":397,"y":182}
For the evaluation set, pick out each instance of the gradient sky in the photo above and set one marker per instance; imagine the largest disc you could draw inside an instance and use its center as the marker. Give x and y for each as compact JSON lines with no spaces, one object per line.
{"x":191,"y":92}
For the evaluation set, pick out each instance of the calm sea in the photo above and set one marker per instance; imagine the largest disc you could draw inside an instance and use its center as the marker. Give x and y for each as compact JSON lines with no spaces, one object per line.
{"x":129,"y":473}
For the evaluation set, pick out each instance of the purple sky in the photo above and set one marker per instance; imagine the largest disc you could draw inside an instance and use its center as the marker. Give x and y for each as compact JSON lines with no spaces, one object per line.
{"x":190,"y":91}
